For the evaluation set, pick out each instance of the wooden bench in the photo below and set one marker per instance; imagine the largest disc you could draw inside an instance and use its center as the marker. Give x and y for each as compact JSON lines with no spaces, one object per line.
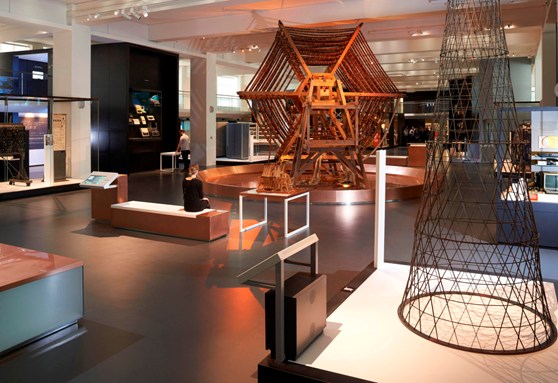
{"x":172,"y":220}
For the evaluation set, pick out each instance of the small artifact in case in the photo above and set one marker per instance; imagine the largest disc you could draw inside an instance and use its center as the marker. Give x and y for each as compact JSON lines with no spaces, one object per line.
{"x":154,"y":132}
{"x":139,"y":109}
{"x":144,"y":132}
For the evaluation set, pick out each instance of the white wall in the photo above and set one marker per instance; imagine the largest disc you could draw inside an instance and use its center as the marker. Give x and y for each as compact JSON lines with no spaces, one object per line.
{"x":520,"y":69}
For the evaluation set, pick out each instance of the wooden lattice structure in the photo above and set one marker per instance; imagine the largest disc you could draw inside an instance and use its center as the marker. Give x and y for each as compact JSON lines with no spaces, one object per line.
{"x":320,"y":96}
{"x":275,"y":178}
{"x":475,"y":281}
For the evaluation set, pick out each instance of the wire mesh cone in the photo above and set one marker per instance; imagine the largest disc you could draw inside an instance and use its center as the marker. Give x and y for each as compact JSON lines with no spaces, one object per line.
{"x":475,"y":281}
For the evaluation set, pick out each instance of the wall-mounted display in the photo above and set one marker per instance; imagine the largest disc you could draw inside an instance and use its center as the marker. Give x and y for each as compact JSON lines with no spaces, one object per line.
{"x":145,"y":114}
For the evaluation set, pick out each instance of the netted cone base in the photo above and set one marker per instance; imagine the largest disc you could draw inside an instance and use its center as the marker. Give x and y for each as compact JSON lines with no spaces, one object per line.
{"x":475,"y":281}
{"x":480,"y":313}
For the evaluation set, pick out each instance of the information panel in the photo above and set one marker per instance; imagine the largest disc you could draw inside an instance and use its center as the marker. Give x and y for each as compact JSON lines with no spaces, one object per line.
{"x":59,"y":131}
{"x":99,"y":180}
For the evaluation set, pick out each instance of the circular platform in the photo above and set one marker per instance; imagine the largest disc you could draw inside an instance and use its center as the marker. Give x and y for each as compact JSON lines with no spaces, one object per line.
{"x":401,"y":183}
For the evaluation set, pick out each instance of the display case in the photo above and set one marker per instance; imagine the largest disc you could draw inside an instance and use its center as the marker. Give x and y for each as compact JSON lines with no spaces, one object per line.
{"x":34,"y":136}
{"x":540,"y":126}
{"x":145,"y":119}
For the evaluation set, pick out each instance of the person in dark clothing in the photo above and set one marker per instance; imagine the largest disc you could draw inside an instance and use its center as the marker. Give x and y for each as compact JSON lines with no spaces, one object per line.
{"x":192,"y":189}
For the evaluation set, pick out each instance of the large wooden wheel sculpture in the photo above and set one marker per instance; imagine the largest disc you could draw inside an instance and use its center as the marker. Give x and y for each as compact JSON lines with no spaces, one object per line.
{"x":320,"y":96}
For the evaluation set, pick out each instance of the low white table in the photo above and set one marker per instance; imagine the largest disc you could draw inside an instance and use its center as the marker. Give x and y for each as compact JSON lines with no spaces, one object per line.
{"x":280,"y":197}
{"x":174,"y":161}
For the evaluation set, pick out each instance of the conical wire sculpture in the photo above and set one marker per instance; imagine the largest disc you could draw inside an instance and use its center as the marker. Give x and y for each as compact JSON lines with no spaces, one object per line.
{"x":475,"y":280}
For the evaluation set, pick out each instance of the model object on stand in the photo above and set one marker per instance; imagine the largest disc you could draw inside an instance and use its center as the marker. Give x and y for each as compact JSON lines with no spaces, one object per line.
{"x":14,"y":142}
{"x":475,"y":280}
{"x":321,"y":121}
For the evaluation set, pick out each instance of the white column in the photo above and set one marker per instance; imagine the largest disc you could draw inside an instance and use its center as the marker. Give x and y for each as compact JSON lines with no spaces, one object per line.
{"x":380,"y":209}
{"x":549,"y":50}
{"x":203,"y":104}
{"x":72,"y":78}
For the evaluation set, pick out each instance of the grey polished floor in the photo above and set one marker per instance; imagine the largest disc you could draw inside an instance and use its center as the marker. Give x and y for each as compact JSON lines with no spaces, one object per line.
{"x":163,"y":309}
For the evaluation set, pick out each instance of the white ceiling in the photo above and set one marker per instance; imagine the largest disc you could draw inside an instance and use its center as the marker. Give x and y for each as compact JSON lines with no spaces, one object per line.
{"x":230,"y":27}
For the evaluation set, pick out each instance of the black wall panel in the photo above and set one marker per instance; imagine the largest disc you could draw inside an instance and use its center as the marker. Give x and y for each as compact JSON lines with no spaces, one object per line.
{"x":116,"y":70}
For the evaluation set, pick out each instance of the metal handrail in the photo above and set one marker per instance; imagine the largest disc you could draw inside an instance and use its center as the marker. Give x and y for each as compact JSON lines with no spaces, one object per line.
{"x":278,"y":261}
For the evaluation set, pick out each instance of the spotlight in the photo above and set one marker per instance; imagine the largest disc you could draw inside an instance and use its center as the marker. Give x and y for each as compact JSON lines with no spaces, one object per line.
{"x":134,"y":13}
{"x":125,"y":15}
{"x":96,"y":16}
{"x":145,"y":11}
{"x":116,"y":12}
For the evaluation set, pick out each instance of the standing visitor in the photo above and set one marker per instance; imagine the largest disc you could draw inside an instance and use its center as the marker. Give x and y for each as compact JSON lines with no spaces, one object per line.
{"x":184,"y":148}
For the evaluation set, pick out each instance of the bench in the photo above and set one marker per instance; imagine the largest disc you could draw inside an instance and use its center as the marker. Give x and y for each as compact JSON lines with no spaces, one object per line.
{"x":172,"y":220}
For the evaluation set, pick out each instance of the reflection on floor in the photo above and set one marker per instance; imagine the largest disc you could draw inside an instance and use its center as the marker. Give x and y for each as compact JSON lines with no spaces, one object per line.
{"x":364,"y":338}
{"x":163,"y":309}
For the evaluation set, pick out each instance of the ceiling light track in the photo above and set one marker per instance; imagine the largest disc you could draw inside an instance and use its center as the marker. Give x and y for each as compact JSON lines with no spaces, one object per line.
{"x":137,"y":12}
{"x":141,"y":7}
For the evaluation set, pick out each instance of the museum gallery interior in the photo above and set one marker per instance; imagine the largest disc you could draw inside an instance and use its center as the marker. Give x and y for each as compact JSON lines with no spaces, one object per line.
{"x":381,"y":182}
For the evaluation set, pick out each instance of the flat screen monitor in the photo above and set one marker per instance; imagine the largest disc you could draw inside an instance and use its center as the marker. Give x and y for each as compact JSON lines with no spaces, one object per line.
{"x":551,"y":183}
{"x":99,"y":180}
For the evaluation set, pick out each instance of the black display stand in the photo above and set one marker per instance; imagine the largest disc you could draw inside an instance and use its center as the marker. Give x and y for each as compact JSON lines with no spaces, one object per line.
{"x":238,"y":140}
{"x":305,"y":313}
{"x":14,"y":145}
{"x":117,"y":71}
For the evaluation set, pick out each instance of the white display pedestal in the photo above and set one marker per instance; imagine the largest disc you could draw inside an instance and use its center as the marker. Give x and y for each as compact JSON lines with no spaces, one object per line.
{"x":49,"y":160}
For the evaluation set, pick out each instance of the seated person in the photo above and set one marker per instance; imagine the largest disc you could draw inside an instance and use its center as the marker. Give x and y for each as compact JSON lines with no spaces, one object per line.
{"x":192,"y":189}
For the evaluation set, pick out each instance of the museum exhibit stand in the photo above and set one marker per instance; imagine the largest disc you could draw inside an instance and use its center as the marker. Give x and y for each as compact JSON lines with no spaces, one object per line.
{"x":35,"y":145}
{"x":416,"y":154}
{"x":40,"y":294}
{"x":285,"y":198}
{"x":137,"y":88}
{"x":295,"y":312}
{"x":106,"y":189}
{"x":109,"y":204}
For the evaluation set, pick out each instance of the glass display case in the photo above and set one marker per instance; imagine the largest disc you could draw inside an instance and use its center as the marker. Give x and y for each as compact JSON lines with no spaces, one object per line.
{"x":44,"y":150}
{"x":144,"y":120}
